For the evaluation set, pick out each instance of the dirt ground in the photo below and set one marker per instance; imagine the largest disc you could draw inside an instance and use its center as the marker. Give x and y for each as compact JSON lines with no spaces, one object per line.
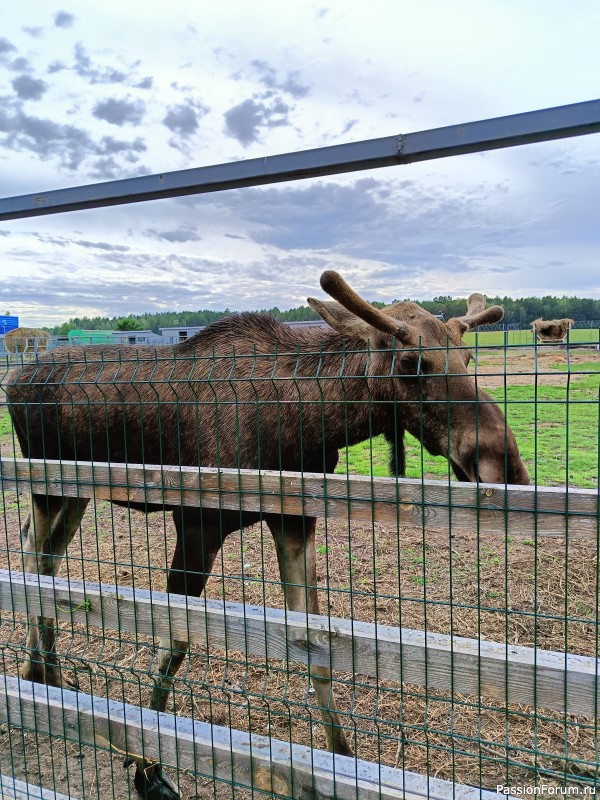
{"x":502,"y":589}
{"x":525,"y":366}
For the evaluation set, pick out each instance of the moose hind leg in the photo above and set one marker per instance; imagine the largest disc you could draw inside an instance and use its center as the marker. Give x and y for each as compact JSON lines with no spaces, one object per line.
{"x":46,"y":534}
{"x":295,"y":543}
{"x":35,"y":532}
{"x":395,"y":438}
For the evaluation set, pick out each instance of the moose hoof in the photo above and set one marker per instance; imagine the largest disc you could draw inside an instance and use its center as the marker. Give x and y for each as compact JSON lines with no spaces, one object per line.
{"x":70,"y":683}
{"x":34,"y":670}
{"x":152,"y":783}
{"x":344,"y":750}
{"x":56,"y":677}
{"x":48,"y":672}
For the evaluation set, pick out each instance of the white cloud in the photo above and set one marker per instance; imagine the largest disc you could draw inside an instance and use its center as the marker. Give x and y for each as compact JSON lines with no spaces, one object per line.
{"x":188,"y":85}
{"x":28,"y":88}
{"x":120,"y":111}
{"x":62,"y":19}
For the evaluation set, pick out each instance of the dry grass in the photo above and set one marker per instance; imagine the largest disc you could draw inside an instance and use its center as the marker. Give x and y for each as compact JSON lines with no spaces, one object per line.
{"x":496,"y":588}
{"x":488,"y":586}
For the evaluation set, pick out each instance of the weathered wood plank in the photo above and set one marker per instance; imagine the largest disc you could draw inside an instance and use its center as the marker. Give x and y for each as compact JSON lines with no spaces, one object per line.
{"x":250,"y":760}
{"x":12,"y":789}
{"x":558,"y":681}
{"x":494,"y":508}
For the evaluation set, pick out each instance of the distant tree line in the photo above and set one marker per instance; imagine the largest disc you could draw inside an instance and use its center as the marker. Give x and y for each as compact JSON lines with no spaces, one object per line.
{"x":523,"y":310}
{"x":519,"y":311}
{"x":170,"y":319}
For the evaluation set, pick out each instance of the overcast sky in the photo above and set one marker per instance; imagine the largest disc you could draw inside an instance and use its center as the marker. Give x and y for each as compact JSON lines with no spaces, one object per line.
{"x":97,"y":91}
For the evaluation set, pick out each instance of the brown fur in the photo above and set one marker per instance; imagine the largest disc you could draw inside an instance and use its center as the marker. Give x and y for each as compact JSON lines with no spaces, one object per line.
{"x":553,"y":330}
{"x":251,"y":392}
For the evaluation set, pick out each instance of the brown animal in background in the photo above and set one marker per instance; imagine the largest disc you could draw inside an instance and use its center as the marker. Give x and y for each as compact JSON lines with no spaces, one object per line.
{"x":222,"y":398}
{"x":553,"y":330}
{"x":26,"y":340}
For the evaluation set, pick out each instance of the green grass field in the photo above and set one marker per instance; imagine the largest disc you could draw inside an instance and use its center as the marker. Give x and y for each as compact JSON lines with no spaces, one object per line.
{"x":556,"y":427}
{"x":5,"y":426}
{"x":525,"y":337}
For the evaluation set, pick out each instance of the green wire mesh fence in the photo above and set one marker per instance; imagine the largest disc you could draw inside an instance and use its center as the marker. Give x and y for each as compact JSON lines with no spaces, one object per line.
{"x":450,"y":627}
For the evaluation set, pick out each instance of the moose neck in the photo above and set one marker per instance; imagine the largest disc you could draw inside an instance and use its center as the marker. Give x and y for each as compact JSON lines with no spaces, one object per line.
{"x":350,"y":380}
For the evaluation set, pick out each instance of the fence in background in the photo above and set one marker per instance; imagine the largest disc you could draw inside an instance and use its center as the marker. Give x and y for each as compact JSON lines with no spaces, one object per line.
{"x":513,"y":333}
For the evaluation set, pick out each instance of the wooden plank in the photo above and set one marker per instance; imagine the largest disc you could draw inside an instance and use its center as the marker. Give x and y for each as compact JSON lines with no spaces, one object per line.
{"x":492,"y":508}
{"x":562,"y":682}
{"x":12,"y":789}
{"x":213,"y":751}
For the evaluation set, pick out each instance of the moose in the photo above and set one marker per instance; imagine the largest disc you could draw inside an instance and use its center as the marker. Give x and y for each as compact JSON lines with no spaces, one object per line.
{"x":552,"y":330}
{"x":251,"y":392}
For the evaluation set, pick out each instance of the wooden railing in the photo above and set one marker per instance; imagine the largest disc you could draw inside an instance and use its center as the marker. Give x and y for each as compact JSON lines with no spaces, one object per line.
{"x":556,"y":681}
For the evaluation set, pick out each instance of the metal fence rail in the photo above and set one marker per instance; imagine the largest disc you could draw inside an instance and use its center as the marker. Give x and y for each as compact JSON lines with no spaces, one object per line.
{"x":470,"y":137}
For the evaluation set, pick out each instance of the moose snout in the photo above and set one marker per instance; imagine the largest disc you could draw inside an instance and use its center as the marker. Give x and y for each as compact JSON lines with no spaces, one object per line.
{"x":492,"y":463}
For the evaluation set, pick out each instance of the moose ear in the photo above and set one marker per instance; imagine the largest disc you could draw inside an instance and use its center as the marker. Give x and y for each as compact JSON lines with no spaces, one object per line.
{"x":340,"y":319}
{"x":457,"y":327}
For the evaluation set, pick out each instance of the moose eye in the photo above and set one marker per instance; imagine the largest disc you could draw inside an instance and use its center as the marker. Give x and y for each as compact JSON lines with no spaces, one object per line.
{"x":410,"y":362}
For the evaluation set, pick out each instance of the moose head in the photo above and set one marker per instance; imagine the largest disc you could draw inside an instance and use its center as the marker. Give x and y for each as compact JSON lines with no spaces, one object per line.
{"x":429,"y":391}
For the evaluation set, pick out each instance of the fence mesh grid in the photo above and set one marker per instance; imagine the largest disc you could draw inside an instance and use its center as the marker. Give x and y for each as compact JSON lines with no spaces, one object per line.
{"x":389,"y":563}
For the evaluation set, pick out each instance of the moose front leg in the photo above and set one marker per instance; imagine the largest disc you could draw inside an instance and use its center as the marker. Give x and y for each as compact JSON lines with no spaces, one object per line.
{"x":46,"y":534}
{"x":295,"y":543}
{"x":199,"y":537}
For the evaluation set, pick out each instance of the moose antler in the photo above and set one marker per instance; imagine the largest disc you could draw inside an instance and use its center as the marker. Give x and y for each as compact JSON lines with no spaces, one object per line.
{"x":477,"y":314}
{"x":335,"y":286}
{"x":475,"y":304}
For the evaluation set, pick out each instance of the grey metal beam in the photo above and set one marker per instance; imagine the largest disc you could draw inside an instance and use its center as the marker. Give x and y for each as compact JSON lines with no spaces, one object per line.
{"x":470,"y":137}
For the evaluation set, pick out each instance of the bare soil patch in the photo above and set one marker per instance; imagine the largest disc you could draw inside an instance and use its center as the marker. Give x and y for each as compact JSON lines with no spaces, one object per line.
{"x":526,"y":366}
